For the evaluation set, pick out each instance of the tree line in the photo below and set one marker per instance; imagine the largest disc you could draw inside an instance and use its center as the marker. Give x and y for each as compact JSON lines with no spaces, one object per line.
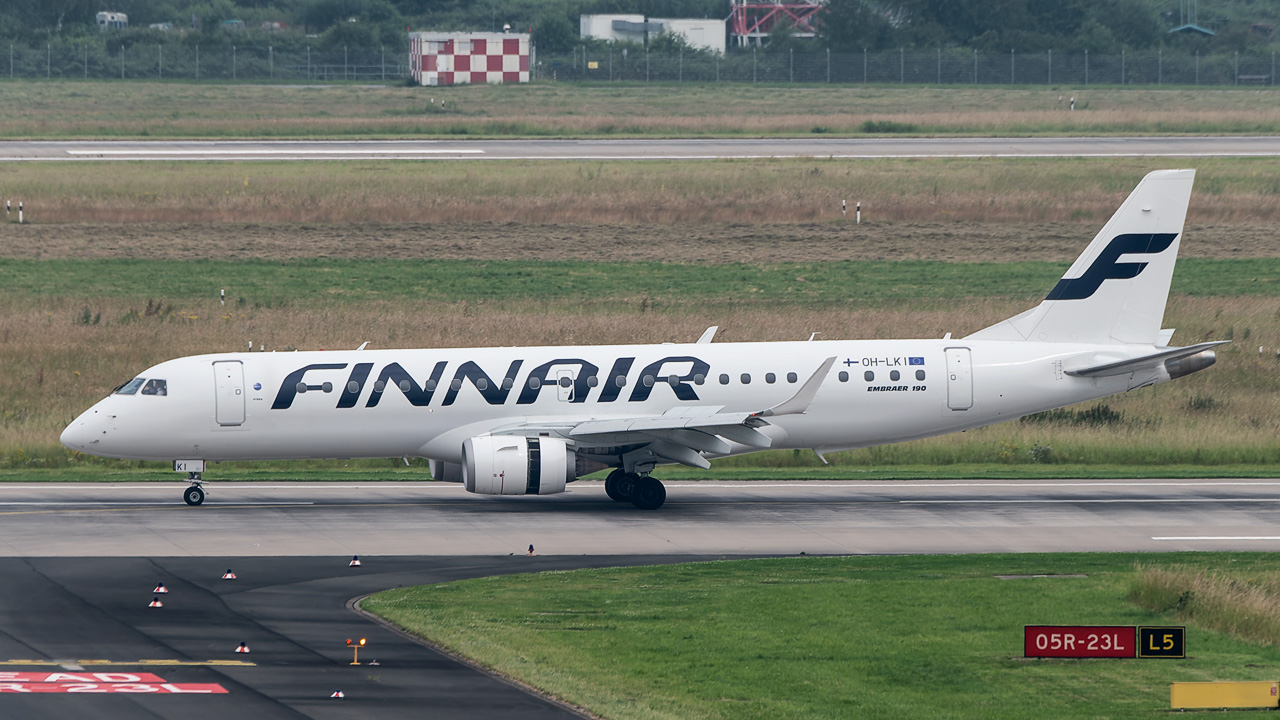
{"x":1067,"y":26}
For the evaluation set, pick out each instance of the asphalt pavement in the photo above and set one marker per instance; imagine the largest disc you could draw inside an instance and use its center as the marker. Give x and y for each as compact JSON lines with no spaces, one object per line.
{"x":78,"y":639}
{"x":639,"y":149}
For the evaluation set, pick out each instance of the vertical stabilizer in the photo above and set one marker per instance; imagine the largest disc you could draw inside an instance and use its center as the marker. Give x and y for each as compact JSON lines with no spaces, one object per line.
{"x":1115,"y":292}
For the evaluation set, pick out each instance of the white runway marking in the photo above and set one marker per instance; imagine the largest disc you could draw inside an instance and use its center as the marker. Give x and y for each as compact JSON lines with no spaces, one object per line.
{"x":1091,"y":501}
{"x":904,"y":484}
{"x":1220,"y":537}
{"x":201,"y":152}
{"x":131,"y":504}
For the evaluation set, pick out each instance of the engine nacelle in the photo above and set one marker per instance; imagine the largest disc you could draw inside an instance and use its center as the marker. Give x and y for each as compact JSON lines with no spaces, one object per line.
{"x":445,"y":471}
{"x":511,"y":465}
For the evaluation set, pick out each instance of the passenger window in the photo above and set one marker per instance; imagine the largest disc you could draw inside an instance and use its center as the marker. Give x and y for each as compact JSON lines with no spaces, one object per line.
{"x":844,"y":376}
{"x":455,"y":386}
{"x":770,"y":378}
{"x":699,"y":379}
{"x":895,"y":376}
{"x":566,"y":381}
{"x":482,"y":384}
{"x":534,"y":383}
{"x":592,"y":381}
{"x":746,"y":378}
{"x":647,"y":380}
{"x":791,"y":377}
{"x":620,"y":381}
{"x":724,"y":379}
{"x":429,"y":385}
{"x":507,"y":383}
{"x":869,"y":376}
{"x":130,"y":387}
{"x":155,"y":387}
{"x":920,"y":375}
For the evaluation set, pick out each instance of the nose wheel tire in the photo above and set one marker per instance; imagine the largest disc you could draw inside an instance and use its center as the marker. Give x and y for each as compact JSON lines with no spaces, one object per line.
{"x":648,"y":493}
{"x":618,"y":485}
{"x":194,"y":495}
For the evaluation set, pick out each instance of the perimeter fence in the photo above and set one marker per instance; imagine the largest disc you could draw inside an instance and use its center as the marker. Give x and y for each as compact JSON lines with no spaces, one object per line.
{"x":390,"y":64}
{"x":940,"y":67}
{"x":192,"y":62}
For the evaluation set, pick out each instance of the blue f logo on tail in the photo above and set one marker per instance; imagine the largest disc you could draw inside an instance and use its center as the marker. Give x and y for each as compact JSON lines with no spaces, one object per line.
{"x":1105,"y":266}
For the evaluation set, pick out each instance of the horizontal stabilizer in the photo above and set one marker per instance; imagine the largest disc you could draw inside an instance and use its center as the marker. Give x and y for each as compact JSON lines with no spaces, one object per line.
{"x":1146,"y":362}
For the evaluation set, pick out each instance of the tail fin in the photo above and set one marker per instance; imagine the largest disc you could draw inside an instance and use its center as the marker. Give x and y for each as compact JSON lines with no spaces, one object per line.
{"x":1102,"y":299}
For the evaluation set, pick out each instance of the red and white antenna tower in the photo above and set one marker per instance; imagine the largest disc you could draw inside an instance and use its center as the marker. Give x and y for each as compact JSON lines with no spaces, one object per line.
{"x":755,"y":19}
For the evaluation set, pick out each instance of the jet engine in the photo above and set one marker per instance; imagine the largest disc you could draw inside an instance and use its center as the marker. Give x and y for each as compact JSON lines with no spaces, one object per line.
{"x":512,"y":465}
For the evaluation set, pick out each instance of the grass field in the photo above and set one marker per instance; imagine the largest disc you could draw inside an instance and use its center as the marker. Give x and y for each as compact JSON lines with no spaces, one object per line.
{"x":59,"y":354}
{"x":1237,"y":191}
{"x":123,"y":262}
{"x":89,"y":109}
{"x":882,"y":637}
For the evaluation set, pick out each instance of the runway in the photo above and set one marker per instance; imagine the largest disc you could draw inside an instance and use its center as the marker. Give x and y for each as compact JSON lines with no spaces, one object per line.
{"x":641,"y":149}
{"x":82,"y":562}
{"x":700,"y":518}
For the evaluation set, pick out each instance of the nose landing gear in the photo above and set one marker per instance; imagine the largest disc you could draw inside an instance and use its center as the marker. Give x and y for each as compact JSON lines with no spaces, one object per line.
{"x":194,"y":495}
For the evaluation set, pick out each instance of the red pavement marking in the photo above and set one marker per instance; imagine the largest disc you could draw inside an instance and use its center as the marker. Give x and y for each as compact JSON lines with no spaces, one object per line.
{"x":158,"y":689}
{"x":80,"y":677}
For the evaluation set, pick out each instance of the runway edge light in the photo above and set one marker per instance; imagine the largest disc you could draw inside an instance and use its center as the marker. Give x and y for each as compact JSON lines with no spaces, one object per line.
{"x":160,"y":589}
{"x":337,"y":694}
{"x":155,"y":602}
{"x":244,"y":648}
{"x":228,"y":575}
{"x":355,"y":561}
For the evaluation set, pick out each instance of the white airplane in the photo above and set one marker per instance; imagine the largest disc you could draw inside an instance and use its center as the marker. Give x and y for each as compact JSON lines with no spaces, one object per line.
{"x":529,"y":420}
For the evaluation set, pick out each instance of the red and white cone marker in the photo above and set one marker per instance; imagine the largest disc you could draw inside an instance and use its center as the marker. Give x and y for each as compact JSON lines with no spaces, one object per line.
{"x":160,"y":589}
{"x":244,"y":648}
{"x":155,"y":602}
{"x":228,"y":575}
{"x":337,"y":694}
{"x":355,"y":561}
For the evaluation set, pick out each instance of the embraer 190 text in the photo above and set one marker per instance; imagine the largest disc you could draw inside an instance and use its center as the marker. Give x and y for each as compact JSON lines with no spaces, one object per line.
{"x":527,"y":421}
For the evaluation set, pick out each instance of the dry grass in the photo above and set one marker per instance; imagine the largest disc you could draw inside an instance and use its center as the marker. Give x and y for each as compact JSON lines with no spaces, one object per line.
{"x":53,"y":366}
{"x":1234,"y":191}
{"x":703,"y":243}
{"x":1246,"y":607}
{"x":114,"y":109}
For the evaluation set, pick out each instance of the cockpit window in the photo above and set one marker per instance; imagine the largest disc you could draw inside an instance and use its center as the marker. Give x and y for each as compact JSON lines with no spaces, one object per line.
{"x":130,"y":387}
{"x":155,"y":386}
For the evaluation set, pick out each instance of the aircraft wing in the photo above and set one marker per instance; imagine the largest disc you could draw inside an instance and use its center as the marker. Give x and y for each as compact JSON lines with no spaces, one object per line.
{"x":681,"y":435}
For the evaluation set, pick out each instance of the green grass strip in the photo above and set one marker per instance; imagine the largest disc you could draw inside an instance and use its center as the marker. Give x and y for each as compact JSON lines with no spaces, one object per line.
{"x":853,"y":637}
{"x":269,"y":282}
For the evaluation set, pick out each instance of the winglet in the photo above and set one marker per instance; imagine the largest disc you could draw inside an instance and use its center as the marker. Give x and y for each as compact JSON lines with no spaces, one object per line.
{"x":800,"y":401}
{"x":708,"y":334}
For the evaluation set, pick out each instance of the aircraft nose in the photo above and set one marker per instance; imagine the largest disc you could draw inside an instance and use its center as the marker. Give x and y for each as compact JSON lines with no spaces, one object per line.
{"x":83,"y":433}
{"x":76,"y":435}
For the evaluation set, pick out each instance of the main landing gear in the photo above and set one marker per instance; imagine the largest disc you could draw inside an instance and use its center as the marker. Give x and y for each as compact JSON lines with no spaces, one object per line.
{"x":644,"y":491}
{"x":194,"y":495}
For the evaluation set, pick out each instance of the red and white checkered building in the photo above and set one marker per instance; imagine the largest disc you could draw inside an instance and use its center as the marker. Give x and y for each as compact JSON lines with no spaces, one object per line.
{"x":461,"y":58}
